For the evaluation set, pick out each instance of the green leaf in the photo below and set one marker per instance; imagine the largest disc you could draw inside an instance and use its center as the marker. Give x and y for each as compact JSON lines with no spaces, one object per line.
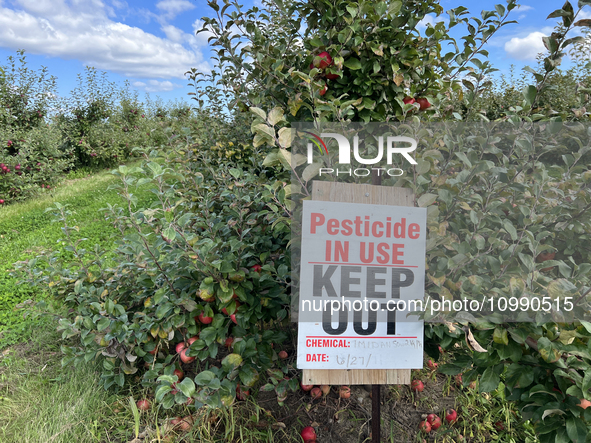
{"x":352,"y":63}
{"x":489,"y":381}
{"x":258,"y":112}
{"x":103,"y":323}
{"x":275,"y":116}
{"x":231,"y":362}
{"x":236,"y":173}
{"x":161,"y":392}
{"x":500,"y":336}
{"x":163,"y":309}
{"x":272,"y":159}
{"x":426,"y":200}
{"x":264,"y":130}
{"x":311,"y":171}
{"x":187,"y":387}
{"x":547,"y":350}
{"x":560,"y":288}
{"x":529,"y":94}
{"x":204,"y":378}
{"x":510,"y":229}
{"x":285,"y":137}
{"x":248,"y":375}
{"x":576,"y":430}
{"x":169,"y":233}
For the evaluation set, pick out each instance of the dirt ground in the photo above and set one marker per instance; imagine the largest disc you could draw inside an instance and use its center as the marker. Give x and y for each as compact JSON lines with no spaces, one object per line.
{"x":349,"y":421}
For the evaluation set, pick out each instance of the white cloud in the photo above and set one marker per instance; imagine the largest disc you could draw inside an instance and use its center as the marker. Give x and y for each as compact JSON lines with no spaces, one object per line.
{"x":524,"y":8}
{"x":172,"y":8}
{"x":526,"y":48}
{"x":430,"y":19}
{"x":173,"y":33}
{"x":156,"y":86}
{"x":83,"y":30}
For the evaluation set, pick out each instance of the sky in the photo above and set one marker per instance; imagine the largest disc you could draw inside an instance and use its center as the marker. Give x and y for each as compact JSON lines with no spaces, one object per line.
{"x":153,"y":43}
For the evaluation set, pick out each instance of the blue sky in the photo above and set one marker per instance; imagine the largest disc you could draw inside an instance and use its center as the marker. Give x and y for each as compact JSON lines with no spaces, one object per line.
{"x":153,"y":43}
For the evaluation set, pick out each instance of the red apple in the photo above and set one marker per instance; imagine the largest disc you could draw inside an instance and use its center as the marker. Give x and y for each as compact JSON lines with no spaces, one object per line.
{"x":306,"y":387}
{"x":332,"y":76}
{"x":185,"y":358}
{"x":423,"y":103}
{"x":425,"y":426}
{"x":345,"y":392}
{"x":323,"y":60}
{"x":432,"y":365}
{"x":180,"y":347}
{"x":179,"y":373}
{"x":229,"y":342}
{"x":233,"y":317}
{"x":192,"y":340}
{"x":282,"y":355}
{"x":308,"y":434}
{"x":225,"y":312}
{"x":257,"y":268}
{"x":451,"y":416}
{"x":325,"y":389}
{"x":204,"y":320}
{"x":323,"y":90}
{"x":434,"y":421}
{"x":316,"y":393}
{"x":417,"y":386}
{"x":1,"y":201}
{"x":186,"y":423}
{"x":241,"y":394}
{"x":143,"y":404}
{"x":408,"y":100}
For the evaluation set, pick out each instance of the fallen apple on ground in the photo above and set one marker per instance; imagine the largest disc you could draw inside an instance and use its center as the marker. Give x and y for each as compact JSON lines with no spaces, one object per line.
{"x":308,"y":434}
{"x":143,"y":404}
{"x":417,"y":386}
{"x":425,"y":426}
{"x":434,"y":421}
{"x":306,"y":387}
{"x":316,"y":393}
{"x":345,"y":392}
{"x":451,"y":416}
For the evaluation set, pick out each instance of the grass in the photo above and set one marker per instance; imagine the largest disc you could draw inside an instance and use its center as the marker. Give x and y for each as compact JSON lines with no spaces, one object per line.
{"x":26,"y":230}
{"x":40,"y":401}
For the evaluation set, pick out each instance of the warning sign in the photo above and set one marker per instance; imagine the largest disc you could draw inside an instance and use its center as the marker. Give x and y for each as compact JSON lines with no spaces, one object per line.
{"x":362,"y":274}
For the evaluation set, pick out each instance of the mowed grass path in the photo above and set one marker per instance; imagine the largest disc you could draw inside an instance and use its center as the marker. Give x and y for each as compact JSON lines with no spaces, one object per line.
{"x":39,"y":400}
{"x":26,"y":230}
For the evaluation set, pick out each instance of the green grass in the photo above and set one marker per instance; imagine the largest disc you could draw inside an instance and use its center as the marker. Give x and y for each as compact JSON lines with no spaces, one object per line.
{"x":26,"y":230}
{"x":41,"y":402}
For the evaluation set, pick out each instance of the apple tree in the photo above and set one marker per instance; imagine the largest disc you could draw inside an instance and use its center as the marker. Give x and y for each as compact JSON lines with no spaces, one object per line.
{"x":505,"y":217}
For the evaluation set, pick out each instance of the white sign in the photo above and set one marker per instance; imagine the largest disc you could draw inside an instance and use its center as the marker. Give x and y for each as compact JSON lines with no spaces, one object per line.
{"x":362,"y":272}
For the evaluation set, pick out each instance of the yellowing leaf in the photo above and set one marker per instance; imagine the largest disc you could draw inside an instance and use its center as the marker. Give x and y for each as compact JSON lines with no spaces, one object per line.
{"x":285,"y":136}
{"x":154,"y":330}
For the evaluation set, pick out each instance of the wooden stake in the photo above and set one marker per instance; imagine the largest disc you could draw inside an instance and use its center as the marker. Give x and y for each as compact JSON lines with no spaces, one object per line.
{"x":375,"y":413}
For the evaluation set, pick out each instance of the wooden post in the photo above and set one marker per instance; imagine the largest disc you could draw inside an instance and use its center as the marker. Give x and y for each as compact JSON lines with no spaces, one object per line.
{"x":375,"y":195}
